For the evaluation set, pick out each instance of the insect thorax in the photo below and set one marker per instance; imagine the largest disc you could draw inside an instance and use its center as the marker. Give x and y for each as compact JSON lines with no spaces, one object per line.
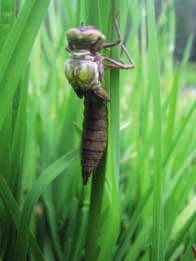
{"x":82,"y":71}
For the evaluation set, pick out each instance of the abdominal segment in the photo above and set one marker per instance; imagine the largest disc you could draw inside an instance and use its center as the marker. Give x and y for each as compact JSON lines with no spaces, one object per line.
{"x":94,"y":136}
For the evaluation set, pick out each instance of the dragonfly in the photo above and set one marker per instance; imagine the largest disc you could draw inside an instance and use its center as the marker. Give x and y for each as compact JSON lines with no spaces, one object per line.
{"x":84,"y":71}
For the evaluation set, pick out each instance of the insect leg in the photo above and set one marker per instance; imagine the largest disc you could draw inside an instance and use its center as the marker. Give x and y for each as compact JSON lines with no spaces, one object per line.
{"x":123,"y":47}
{"x":112,"y":44}
{"x":126,"y":52}
{"x":117,"y":64}
{"x":116,"y":42}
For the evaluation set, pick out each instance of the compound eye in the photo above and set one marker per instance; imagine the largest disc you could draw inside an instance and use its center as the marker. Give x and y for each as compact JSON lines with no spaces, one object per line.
{"x":97,"y":41}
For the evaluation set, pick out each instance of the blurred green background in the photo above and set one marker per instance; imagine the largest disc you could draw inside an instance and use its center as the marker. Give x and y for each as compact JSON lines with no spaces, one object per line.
{"x":141,"y":202}
{"x":185,"y":25}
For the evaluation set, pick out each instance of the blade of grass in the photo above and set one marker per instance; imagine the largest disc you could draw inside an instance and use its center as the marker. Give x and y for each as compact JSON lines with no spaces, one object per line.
{"x":15,"y":176}
{"x":154,"y":81}
{"x":108,"y":239}
{"x":179,"y":238}
{"x":111,"y":224}
{"x":91,"y":244}
{"x":180,"y":131}
{"x":141,"y":243}
{"x":174,"y":94}
{"x":176,"y":179}
{"x":14,"y":212}
{"x":81,"y":227}
{"x":48,"y":200}
{"x":7,"y":18}
{"x":45,"y":178}
{"x":125,"y":241}
{"x":15,"y":52}
{"x":19,"y":135}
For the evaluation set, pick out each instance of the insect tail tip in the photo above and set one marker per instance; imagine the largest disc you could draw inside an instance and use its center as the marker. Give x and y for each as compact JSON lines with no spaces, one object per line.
{"x":85,"y":175}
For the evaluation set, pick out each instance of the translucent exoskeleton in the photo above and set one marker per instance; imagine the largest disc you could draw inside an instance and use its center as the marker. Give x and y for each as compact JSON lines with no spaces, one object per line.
{"x":84,"y":71}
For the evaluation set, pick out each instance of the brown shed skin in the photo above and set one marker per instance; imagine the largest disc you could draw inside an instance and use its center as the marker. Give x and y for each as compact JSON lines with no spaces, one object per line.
{"x":95,"y":125}
{"x":94,"y":135}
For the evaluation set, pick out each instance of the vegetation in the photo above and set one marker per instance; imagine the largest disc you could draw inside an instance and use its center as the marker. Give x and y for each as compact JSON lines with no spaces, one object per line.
{"x":141,"y":202}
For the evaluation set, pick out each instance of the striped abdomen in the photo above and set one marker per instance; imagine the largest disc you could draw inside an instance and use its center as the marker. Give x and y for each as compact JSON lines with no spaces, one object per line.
{"x":94,"y":136}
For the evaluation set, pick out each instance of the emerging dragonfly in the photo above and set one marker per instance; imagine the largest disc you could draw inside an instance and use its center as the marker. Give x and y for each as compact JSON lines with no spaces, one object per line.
{"x":84,"y":71}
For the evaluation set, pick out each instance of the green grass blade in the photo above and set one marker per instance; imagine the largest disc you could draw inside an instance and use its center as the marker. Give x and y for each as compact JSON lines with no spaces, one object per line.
{"x":46,"y":177}
{"x":125,"y":241}
{"x":109,"y":235}
{"x":93,"y":17}
{"x":15,"y":52}
{"x":154,"y":81}
{"x":48,"y":200}
{"x":14,"y":212}
{"x":81,"y":227}
{"x":141,"y":243}
{"x":111,"y":225}
{"x":180,"y":131}
{"x":174,"y":95}
{"x":19,"y":135}
{"x":7,"y":18}
{"x":179,"y":238}
{"x":93,"y":231}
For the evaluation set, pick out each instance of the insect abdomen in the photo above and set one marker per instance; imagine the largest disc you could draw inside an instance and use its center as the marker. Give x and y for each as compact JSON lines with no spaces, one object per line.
{"x":94,"y":136}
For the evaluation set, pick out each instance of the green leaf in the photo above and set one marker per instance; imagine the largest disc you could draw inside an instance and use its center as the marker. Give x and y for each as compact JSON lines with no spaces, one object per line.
{"x":16,"y":50}
{"x":154,"y":81}
{"x":175,"y":242}
{"x":13,"y":209}
{"x":45,"y":178}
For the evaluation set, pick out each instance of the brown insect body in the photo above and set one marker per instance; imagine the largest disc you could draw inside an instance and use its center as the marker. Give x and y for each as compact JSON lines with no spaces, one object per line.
{"x":94,"y":136}
{"x":84,"y":70}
